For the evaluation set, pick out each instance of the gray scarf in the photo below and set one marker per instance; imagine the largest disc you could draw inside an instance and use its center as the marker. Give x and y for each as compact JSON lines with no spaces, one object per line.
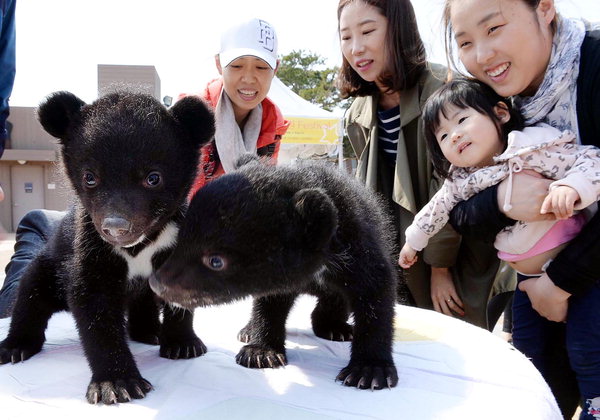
{"x":230,"y":142}
{"x":555,"y":101}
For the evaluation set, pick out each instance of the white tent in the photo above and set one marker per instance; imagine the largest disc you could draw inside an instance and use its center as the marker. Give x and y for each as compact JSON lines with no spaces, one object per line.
{"x":314,"y":132}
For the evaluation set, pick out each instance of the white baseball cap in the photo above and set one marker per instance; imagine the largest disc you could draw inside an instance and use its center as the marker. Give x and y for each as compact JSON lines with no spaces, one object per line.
{"x":254,"y":37}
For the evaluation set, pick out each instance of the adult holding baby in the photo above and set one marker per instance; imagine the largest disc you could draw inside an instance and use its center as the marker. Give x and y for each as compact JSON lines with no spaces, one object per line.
{"x":551,"y":67}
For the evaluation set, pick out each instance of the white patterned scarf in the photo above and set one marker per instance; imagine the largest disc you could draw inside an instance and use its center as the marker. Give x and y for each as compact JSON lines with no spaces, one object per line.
{"x":230,"y":142}
{"x":555,"y":100}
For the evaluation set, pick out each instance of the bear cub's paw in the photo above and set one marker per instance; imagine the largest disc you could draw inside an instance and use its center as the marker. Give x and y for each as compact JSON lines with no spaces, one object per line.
{"x":369,"y":375}
{"x":118,"y":390}
{"x":144,"y":331}
{"x":13,"y":352}
{"x":333,"y":330}
{"x":245,"y":334}
{"x":181,"y":347}
{"x":257,"y":356}
{"x":145,"y":337}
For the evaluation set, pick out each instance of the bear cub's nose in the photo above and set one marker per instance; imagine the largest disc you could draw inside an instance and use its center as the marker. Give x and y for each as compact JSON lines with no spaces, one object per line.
{"x":116,"y":226}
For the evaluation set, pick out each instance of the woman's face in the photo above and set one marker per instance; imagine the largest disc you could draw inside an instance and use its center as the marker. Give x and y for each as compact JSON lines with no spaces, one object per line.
{"x":363,"y":31}
{"x":247,"y":81}
{"x":504,"y":43}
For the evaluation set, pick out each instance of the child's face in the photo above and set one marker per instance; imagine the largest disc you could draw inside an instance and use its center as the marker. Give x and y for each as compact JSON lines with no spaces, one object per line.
{"x":468,"y":138}
{"x":363,"y":30}
{"x":504,"y":43}
{"x":246,"y":81}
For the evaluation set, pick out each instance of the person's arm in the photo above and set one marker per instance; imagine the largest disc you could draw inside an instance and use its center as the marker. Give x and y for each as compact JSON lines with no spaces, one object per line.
{"x":577,"y":267}
{"x":432,"y":217}
{"x":550,"y":292}
{"x":481,"y":216}
{"x":7,"y":68}
{"x":574,"y":270}
{"x":442,"y":249}
{"x":441,"y":254}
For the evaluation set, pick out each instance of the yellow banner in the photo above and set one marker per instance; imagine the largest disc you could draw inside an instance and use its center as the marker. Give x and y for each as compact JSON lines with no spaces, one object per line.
{"x":312,"y":131}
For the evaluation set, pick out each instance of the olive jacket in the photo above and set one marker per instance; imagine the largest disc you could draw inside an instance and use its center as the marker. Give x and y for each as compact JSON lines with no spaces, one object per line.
{"x":474,"y":264}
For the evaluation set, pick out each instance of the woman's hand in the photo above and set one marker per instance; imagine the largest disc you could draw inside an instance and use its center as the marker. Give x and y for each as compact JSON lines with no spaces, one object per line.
{"x":549,"y":300}
{"x":443,"y":293}
{"x":529,"y":189}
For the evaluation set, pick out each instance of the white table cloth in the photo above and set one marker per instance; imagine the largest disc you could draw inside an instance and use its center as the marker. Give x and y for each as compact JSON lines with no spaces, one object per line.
{"x":447,"y":370}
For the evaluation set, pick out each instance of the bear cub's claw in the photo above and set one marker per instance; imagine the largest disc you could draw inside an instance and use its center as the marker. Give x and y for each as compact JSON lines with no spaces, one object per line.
{"x":15,"y":352}
{"x":183,"y":349}
{"x":369,"y":376}
{"x":257,"y":357}
{"x":118,"y":391}
{"x":341,"y":331}
{"x":245,"y":334}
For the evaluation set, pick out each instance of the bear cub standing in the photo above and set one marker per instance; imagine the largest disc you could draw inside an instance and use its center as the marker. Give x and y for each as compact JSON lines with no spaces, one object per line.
{"x":130,"y":163}
{"x":275,"y":232}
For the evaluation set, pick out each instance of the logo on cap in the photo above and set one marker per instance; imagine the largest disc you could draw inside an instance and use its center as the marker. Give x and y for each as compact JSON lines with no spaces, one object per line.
{"x":266,"y":36}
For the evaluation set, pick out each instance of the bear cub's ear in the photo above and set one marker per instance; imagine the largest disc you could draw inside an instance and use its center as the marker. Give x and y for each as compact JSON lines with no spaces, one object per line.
{"x":195,"y":117}
{"x":58,"y":112}
{"x":315,"y":217}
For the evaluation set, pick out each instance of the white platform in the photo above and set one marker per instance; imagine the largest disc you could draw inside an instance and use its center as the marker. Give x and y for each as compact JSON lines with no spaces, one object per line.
{"x":448,"y":369}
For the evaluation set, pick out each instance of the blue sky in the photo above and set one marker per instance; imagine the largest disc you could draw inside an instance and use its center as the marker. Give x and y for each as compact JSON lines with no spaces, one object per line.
{"x":61,"y":42}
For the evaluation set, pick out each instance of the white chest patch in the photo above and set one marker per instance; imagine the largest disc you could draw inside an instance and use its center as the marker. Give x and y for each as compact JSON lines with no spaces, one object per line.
{"x":141,"y":264}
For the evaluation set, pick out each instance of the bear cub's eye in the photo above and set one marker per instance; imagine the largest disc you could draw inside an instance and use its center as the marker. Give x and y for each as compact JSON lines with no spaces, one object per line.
{"x":153,"y":179}
{"x":89,"y":180}
{"x":214,"y":262}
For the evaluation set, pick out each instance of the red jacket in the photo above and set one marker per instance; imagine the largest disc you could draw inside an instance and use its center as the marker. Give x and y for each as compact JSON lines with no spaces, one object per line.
{"x":273,"y":127}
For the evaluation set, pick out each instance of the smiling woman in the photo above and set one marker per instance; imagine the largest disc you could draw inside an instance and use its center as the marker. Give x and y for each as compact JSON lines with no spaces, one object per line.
{"x":550,"y":67}
{"x":361,"y":38}
{"x":248,"y":121}
{"x":507,"y":46}
{"x":385,"y":69}
{"x":246,"y":80}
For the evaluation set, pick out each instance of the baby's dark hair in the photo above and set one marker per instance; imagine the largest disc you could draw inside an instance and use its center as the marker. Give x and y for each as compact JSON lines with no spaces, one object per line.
{"x":464,"y":93}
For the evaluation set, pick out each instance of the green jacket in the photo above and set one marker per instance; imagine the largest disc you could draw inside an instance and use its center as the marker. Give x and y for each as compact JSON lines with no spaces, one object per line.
{"x":473,"y":263}
{"x":414,"y":182}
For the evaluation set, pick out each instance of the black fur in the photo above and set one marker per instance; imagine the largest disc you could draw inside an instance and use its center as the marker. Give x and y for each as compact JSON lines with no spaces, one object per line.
{"x":131,"y":163}
{"x":275,"y":232}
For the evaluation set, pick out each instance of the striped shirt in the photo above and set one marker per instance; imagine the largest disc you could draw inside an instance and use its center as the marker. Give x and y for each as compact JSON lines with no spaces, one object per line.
{"x":389,"y":131}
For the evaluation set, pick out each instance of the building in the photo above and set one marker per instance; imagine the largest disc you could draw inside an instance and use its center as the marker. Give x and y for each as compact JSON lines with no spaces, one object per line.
{"x":30,"y":173}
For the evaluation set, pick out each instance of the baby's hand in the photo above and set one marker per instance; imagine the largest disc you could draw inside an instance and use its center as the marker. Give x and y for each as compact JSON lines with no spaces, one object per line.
{"x":560,"y":201}
{"x":408,"y":256}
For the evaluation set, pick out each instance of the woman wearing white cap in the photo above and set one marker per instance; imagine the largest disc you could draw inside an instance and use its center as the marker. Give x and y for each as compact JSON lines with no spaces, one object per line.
{"x":246,"y":120}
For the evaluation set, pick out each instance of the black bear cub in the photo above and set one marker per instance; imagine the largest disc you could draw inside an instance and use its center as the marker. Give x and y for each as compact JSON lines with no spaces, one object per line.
{"x":130,"y":163}
{"x":276,"y":232}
